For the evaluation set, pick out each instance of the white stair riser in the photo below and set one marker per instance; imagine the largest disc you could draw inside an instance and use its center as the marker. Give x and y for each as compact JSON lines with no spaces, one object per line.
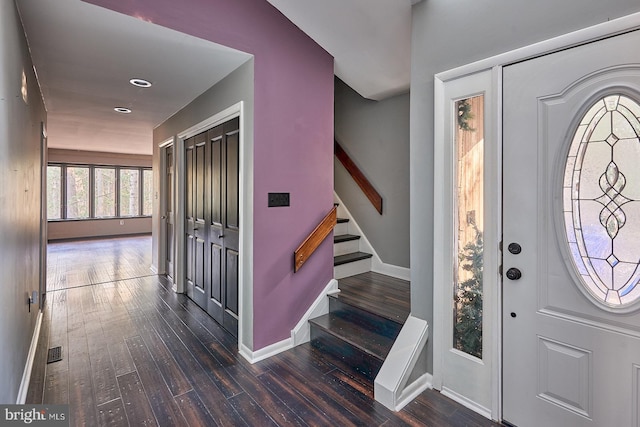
{"x":341,"y":228}
{"x":344,"y":248}
{"x":352,"y":268}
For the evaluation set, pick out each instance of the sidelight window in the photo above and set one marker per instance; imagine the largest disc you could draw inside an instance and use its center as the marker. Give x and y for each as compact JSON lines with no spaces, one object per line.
{"x":468,"y":288}
{"x":601,"y":198}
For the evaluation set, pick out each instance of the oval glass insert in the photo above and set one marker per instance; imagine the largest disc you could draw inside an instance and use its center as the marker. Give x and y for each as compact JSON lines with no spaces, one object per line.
{"x":601,"y":199}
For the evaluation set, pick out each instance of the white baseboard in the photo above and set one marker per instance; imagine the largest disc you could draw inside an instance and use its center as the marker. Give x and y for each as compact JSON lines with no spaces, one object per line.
{"x":464,"y":401}
{"x":26,"y":375}
{"x":266,"y":352}
{"x":412,"y":390}
{"x":301,"y":333}
{"x":391,"y":270}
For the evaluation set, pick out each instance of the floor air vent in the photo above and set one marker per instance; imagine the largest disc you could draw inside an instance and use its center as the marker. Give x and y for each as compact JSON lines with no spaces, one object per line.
{"x":55,"y":354}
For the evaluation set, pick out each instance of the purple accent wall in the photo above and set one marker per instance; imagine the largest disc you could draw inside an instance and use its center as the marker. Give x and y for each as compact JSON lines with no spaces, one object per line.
{"x":293,"y":143}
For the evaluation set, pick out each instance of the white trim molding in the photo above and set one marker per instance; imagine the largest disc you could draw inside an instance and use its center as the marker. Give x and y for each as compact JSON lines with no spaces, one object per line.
{"x":486,"y":412}
{"x":392,"y":387}
{"x":377,"y":265}
{"x":495,"y":64}
{"x":266,"y":352}
{"x":245,"y":268}
{"x":26,"y":374}
{"x":301,"y":333}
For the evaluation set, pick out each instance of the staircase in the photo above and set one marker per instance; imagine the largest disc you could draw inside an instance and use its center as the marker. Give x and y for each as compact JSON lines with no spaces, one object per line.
{"x":358,"y":330}
{"x":357,"y":336}
{"x":348,"y":258}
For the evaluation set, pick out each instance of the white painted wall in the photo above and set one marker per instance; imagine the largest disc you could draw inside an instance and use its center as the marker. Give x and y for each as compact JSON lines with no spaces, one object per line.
{"x":20,"y":174}
{"x":449,"y":34}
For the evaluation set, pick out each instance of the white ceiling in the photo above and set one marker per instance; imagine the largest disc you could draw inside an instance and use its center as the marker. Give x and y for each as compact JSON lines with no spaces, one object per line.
{"x":85,"y":55}
{"x":369,"y":39}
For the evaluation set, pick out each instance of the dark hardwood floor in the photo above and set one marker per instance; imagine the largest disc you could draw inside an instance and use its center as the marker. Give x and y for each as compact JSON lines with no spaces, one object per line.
{"x":386,"y":296}
{"x":137,"y":354}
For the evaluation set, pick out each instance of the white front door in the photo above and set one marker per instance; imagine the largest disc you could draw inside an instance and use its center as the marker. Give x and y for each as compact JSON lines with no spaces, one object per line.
{"x":571,"y":237}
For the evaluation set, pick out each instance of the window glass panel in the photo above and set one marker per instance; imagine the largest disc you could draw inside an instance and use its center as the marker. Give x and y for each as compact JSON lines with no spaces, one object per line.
{"x":129,"y":192}
{"x":77,"y":192}
{"x":105,"y":192}
{"x":147,"y":192}
{"x":468,"y":287}
{"x":54,"y":192}
{"x":602,"y":201}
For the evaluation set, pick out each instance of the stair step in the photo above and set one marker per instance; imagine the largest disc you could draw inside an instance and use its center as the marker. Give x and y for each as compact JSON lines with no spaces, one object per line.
{"x":352,"y":257}
{"x":365,"y":316}
{"x":344,"y":238}
{"x":345,"y":337}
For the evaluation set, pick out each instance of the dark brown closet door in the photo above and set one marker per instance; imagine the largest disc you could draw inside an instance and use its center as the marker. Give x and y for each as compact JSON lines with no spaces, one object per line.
{"x":212,"y":221}
{"x":195,"y":198}
{"x":224,"y":224}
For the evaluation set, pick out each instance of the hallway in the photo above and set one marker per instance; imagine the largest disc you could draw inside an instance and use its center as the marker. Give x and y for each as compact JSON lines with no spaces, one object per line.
{"x":135,"y":353}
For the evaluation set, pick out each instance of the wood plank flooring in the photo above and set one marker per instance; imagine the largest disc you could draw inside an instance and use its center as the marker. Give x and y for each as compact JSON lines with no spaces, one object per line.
{"x":137,"y":354}
{"x":384,"y":295}
{"x":88,"y":262}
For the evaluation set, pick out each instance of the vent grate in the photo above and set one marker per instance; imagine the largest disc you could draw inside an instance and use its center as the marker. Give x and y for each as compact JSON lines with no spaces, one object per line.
{"x":55,"y":354}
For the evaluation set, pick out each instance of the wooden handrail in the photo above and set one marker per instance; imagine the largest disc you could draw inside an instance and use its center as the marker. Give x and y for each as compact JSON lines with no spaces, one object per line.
{"x":311,"y":243}
{"x":367,"y":188}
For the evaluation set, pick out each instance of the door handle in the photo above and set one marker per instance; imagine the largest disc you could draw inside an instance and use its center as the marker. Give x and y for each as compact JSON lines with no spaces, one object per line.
{"x":221,"y":236}
{"x":163,"y":217}
{"x":514,"y":274}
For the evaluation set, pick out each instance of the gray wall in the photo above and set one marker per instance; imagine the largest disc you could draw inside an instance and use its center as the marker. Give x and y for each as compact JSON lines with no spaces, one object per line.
{"x":375,"y":134}
{"x":20,"y":174}
{"x":447,"y":34}
{"x":80,"y":229}
{"x":237,"y":86}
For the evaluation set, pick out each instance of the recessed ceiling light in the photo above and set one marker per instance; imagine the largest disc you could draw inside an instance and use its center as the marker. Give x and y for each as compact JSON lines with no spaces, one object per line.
{"x":122,"y":110}
{"x":140,"y":82}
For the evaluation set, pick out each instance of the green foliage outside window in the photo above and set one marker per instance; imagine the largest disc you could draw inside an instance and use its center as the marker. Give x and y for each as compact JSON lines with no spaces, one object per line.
{"x":467,"y":334}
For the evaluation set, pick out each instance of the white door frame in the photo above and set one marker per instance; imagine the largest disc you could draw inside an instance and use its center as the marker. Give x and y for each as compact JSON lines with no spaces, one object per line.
{"x":162,"y":189}
{"x":245,"y":267}
{"x":441,"y":115}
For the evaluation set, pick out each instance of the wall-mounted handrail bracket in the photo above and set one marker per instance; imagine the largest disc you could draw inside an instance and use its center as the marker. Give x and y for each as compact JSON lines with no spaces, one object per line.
{"x":365,"y":185}
{"x":317,"y":236}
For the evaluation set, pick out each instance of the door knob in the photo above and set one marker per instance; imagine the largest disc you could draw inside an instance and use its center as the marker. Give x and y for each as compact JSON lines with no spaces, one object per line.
{"x":515,"y":248}
{"x":513,"y":274}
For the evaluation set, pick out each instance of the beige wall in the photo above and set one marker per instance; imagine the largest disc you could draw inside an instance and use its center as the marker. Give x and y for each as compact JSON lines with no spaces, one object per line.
{"x":79,"y":229}
{"x":57,"y":155}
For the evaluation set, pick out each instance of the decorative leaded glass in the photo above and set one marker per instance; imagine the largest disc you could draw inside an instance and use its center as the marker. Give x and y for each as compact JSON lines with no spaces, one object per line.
{"x":601,"y":200}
